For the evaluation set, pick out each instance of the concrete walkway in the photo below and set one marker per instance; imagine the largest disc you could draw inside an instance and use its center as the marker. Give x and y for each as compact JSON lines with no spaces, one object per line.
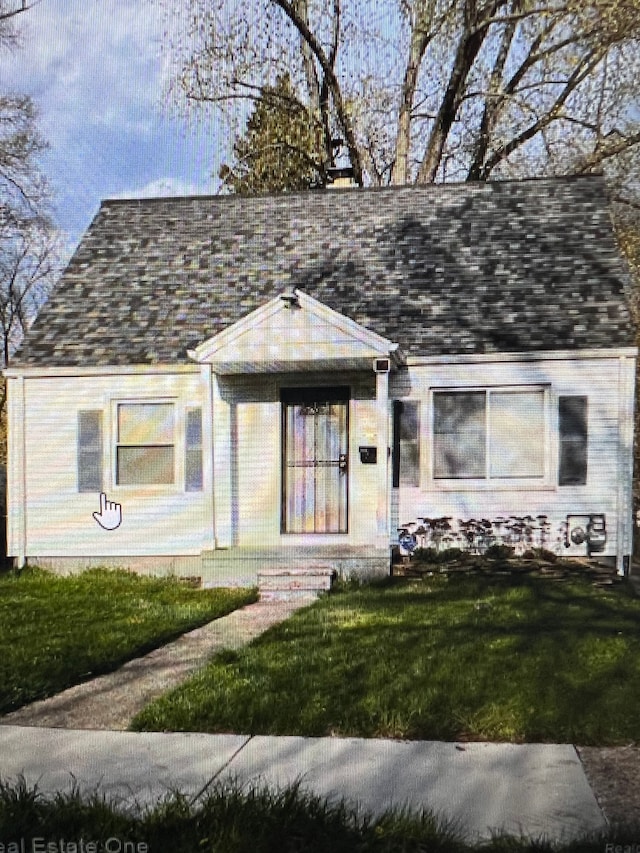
{"x":535,"y":789}
{"x":78,"y":738}
{"x":111,"y":701}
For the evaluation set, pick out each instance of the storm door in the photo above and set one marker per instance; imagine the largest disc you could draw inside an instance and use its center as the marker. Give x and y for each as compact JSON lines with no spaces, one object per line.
{"x":315,"y":445}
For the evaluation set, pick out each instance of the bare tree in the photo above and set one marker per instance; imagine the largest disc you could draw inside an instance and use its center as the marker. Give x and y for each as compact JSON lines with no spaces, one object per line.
{"x":29,"y":259}
{"x":425,"y":90}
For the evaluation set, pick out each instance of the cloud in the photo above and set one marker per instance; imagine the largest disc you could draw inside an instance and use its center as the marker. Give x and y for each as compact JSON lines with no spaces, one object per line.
{"x":164,"y":187}
{"x":95,"y":63}
{"x":98,"y":74}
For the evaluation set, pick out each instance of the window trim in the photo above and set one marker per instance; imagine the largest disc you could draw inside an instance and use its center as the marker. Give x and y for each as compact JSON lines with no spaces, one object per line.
{"x":549,"y":450}
{"x":177,"y":485}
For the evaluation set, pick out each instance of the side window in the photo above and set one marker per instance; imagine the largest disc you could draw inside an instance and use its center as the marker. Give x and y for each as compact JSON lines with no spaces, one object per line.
{"x":89,"y":451}
{"x":572,"y":427}
{"x":406,"y":443}
{"x":145,"y":444}
{"x":193,"y":451}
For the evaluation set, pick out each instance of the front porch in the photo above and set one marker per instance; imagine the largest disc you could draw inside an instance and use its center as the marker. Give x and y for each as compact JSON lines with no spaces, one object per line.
{"x":303,"y":567}
{"x":300,"y":437}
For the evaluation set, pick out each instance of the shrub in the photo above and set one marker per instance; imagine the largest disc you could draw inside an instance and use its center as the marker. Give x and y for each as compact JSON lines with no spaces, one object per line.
{"x":432,"y":555}
{"x":499,"y":552}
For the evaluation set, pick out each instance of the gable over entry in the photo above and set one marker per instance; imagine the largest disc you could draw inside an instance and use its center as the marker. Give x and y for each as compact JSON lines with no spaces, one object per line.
{"x":305,"y":344}
{"x":291,"y":333}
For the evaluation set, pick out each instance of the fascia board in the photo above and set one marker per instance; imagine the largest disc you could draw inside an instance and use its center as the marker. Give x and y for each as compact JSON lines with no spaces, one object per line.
{"x":100,"y":370}
{"x":345,"y":324}
{"x":208,"y":348}
{"x":542,"y":355}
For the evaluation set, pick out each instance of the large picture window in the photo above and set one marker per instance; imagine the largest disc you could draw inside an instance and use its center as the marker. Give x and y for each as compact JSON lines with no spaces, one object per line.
{"x":494,"y":434}
{"x":145,"y":444}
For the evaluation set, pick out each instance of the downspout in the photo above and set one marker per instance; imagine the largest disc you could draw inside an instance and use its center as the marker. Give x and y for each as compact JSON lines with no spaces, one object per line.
{"x":381,"y":368}
{"x":16,"y":470}
{"x":23,"y":471}
{"x":625,"y":464}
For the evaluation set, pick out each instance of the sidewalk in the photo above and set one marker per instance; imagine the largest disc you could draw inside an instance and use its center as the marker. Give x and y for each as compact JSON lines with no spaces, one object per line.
{"x":534,"y":789}
{"x":78,"y":737}
{"x":111,"y":701}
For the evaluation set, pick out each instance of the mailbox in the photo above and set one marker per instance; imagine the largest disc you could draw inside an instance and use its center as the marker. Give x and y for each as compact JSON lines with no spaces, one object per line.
{"x":368,"y":455}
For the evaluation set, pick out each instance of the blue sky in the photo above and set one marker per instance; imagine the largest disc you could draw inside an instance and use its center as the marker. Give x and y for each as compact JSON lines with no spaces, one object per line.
{"x":96,"y":70}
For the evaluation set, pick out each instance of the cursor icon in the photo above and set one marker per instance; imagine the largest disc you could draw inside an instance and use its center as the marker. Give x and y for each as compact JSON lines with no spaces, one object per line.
{"x":110,"y":514}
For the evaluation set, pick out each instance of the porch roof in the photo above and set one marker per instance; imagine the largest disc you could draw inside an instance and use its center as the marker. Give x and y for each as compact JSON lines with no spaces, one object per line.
{"x":291,"y":332}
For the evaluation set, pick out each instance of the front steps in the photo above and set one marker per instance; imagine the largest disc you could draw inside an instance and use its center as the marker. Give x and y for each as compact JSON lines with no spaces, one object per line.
{"x":289,"y":584}
{"x":241,"y":565}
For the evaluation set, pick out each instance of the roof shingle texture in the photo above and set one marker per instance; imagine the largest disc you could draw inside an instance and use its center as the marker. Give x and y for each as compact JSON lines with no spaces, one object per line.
{"x":439,"y":269}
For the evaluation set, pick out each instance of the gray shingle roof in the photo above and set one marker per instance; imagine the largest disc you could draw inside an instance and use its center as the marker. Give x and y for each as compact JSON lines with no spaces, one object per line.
{"x":439,"y":269}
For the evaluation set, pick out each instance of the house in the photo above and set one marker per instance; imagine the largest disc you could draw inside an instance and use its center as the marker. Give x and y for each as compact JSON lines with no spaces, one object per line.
{"x":220,"y":384}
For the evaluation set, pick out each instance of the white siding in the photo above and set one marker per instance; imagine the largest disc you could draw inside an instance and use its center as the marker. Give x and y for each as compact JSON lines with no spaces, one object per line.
{"x":607,"y":490}
{"x":242,"y":440}
{"x":155,"y":519}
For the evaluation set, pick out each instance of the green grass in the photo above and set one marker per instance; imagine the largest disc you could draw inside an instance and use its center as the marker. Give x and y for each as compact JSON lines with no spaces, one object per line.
{"x":253,"y":820}
{"x":519,"y":659}
{"x":57,"y":631}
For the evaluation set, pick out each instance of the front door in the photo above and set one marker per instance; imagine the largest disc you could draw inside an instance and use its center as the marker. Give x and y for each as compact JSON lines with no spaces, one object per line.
{"x":315,"y":477}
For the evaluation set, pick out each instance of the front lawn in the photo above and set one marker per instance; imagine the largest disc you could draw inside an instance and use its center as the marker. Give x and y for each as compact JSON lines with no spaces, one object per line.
{"x":56,"y":631}
{"x":443,"y":657}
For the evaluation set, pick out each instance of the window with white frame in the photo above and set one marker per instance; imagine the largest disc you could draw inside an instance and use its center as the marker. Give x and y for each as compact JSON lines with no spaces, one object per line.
{"x":489,"y":434}
{"x":145,"y":444}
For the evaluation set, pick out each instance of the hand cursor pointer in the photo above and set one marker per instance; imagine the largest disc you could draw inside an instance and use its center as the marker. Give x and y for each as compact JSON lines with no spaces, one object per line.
{"x":110,"y":514}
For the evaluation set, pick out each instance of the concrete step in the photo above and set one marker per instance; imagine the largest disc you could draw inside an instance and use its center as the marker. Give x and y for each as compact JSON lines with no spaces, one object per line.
{"x":240,"y":565}
{"x":287,"y":584}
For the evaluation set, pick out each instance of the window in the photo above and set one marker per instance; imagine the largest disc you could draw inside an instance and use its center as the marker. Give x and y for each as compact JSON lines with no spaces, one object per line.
{"x":572,"y":427}
{"x":89,"y":451}
{"x":488,"y":435}
{"x":406,"y":443}
{"x":193,"y":451}
{"x":145,"y":444}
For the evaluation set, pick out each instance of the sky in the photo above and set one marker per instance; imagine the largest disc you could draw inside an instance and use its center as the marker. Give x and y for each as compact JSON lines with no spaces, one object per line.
{"x":98,"y":74}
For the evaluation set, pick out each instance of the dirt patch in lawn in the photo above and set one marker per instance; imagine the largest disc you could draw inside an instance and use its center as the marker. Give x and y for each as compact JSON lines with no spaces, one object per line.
{"x":600,"y":574}
{"x":613,"y":775}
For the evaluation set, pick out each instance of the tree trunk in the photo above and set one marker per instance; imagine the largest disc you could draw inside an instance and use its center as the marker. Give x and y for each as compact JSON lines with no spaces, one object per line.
{"x":467,"y":51}
{"x":493,"y":104}
{"x":420,"y":39}
{"x":313,"y":85}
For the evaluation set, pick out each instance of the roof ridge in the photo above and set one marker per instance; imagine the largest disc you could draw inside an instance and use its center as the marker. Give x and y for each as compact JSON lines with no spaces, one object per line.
{"x":430,"y":187}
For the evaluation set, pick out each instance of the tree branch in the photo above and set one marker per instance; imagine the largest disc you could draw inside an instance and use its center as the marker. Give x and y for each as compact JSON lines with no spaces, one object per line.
{"x":468,"y":48}
{"x":492,"y":102}
{"x":550,"y":115}
{"x":332,"y":81}
{"x":600,"y":154}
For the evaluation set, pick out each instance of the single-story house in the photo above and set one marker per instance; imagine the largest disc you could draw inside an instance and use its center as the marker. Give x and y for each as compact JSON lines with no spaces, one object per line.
{"x":219,"y":384}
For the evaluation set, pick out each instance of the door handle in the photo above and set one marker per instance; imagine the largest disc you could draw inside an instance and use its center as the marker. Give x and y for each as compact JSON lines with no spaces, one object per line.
{"x":342,"y":462}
